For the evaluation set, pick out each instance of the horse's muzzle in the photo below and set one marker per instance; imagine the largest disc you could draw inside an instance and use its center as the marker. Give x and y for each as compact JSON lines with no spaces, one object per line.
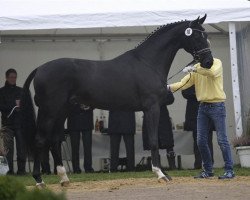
{"x":207,"y":61}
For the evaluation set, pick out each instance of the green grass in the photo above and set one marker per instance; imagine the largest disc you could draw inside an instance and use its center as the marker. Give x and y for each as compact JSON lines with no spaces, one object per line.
{"x":52,"y":179}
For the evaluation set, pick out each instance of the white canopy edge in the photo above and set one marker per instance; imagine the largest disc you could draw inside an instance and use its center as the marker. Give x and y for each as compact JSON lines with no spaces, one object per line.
{"x":64,"y":14}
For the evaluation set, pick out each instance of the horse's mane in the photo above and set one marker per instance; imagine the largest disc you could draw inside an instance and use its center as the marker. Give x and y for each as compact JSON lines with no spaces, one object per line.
{"x":159,"y":29}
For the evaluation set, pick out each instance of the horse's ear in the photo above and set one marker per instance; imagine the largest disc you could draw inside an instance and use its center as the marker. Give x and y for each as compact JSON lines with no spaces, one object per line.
{"x":201,"y":21}
{"x":195,"y":22}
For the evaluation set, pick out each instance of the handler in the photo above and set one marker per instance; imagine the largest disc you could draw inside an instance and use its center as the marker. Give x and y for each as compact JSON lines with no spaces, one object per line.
{"x":191,"y":124}
{"x":209,"y":91}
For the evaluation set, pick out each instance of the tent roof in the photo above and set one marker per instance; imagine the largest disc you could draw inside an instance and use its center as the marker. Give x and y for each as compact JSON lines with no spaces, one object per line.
{"x":75,"y":14}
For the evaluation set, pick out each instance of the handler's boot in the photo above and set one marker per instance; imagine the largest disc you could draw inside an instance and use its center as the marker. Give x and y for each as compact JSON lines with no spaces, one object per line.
{"x":171,"y":160}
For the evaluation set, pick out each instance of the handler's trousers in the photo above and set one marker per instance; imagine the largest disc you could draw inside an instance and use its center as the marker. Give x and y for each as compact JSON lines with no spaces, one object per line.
{"x":217,"y":113}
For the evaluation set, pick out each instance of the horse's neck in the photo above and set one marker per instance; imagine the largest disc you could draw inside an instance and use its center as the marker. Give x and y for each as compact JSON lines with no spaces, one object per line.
{"x":159,"y":53}
{"x":166,"y":60}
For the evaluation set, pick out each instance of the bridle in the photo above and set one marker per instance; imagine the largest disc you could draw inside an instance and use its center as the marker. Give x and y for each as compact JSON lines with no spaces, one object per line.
{"x":196,"y":54}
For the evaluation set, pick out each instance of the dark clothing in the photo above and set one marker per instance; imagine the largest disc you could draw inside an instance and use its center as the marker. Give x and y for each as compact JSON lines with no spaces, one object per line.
{"x":190,"y":123}
{"x":87,"y":146}
{"x":115,"y":140}
{"x":8,"y":96}
{"x":20,"y":150}
{"x":80,"y":118}
{"x":80,"y":121}
{"x":170,"y":98}
{"x":165,"y":132}
{"x":192,"y":106}
{"x":122,"y":124}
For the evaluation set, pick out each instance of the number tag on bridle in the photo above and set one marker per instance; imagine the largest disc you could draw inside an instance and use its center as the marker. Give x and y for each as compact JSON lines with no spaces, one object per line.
{"x":188,"y":32}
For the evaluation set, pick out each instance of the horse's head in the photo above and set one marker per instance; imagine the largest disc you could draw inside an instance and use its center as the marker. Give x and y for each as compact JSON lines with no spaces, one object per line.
{"x":196,"y":43}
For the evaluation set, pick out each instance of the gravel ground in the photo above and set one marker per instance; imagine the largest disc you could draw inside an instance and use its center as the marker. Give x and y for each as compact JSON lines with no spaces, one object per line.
{"x":149,"y":188}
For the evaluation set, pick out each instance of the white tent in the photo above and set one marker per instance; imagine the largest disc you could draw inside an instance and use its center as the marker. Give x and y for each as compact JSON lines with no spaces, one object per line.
{"x":62,"y":14}
{"x":28,"y":21}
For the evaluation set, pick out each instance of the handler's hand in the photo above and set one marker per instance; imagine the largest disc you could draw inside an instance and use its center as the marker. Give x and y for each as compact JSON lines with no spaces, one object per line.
{"x":18,"y":103}
{"x":189,"y":69}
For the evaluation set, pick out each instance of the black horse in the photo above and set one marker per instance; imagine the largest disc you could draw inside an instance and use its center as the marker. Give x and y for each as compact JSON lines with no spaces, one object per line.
{"x":135,"y":80}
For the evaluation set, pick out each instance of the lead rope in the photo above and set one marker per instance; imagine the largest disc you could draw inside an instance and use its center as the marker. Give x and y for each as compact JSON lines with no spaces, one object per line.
{"x":191,"y":63}
{"x":11,"y":112}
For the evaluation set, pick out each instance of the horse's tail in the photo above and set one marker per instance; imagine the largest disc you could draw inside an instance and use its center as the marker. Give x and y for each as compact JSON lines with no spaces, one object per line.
{"x":26,"y":85}
{"x":28,"y":116}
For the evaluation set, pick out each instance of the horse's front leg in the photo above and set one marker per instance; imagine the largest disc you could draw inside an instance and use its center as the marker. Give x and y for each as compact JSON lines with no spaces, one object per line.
{"x":152,"y":121}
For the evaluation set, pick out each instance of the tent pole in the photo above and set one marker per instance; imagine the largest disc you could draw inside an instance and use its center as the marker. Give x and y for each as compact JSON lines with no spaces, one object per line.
{"x":235,"y":80}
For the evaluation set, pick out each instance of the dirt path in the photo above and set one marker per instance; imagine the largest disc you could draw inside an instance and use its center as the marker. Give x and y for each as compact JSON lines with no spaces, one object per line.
{"x":145,"y":188}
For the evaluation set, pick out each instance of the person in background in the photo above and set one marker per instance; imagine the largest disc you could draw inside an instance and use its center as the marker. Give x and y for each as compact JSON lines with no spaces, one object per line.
{"x":165,"y":133}
{"x":80,"y":122}
{"x":10,"y":96}
{"x":190,"y":124}
{"x":122,"y":124}
{"x":209,"y":91}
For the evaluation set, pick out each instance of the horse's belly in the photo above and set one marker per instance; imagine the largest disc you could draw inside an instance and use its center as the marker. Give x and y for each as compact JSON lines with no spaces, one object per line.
{"x":108,"y":100}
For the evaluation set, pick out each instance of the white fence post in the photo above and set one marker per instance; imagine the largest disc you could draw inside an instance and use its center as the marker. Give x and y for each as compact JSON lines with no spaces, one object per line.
{"x":235,"y":80}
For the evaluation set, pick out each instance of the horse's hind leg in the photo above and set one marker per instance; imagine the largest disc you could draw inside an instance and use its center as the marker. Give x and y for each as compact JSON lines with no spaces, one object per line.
{"x":40,"y":143}
{"x":152,"y":121}
{"x":56,"y":150}
{"x":36,"y":168}
{"x":47,"y":118}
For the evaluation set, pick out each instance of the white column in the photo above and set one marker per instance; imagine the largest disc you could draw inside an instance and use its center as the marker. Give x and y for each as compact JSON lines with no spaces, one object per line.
{"x":235,"y":80}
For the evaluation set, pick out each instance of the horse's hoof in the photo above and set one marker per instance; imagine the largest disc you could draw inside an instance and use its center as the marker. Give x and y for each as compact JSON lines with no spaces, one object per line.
{"x":41,"y":185}
{"x":165,"y":179}
{"x":168,"y":177}
{"x":65,"y":183}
